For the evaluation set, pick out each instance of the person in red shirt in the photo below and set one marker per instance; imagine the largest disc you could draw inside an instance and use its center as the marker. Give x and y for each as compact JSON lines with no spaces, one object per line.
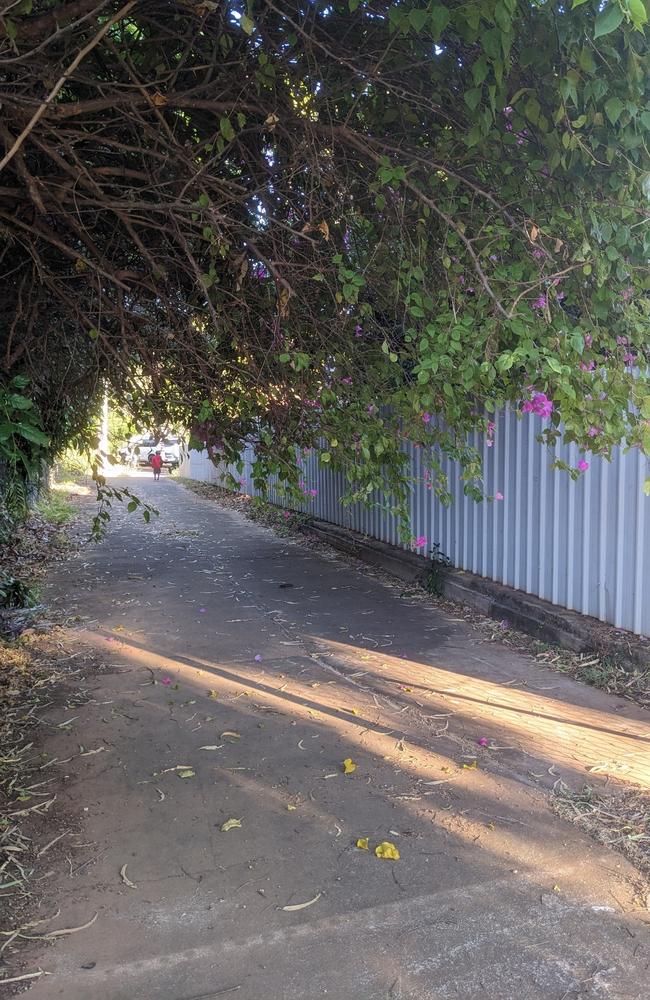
{"x":156,"y":464}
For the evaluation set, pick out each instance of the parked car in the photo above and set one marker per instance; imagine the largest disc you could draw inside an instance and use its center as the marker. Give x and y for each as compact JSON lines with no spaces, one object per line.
{"x":171,"y":452}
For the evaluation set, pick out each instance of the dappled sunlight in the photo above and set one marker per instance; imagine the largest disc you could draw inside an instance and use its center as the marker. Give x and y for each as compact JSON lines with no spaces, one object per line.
{"x":70,"y":488}
{"x":447,"y":786}
{"x":591,"y":740}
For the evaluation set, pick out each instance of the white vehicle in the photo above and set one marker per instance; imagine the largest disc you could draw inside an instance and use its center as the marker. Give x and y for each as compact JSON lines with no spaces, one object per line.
{"x":170,"y":448}
{"x":142,"y":448}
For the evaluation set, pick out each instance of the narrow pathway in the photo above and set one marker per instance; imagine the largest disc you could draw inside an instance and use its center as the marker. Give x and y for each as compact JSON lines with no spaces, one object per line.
{"x":272,"y":665}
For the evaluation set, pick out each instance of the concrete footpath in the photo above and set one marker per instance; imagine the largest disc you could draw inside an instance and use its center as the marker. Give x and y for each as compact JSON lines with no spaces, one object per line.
{"x":241,"y":671}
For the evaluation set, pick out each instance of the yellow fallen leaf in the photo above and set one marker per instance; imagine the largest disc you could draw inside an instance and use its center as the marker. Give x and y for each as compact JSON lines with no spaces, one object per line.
{"x":362,"y":844}
{"x":230,"y":824}
{"x":470,"y":767}
{"x":118,"y":628}
{"x":301,"y":906}
{"x":187,"y":773}
{"x":349,"y":766}
{"x":387,"y":850}
{"x":213,"y":694}
{"x":556,"y":888}
{"x":291,"y":808}
{"x":233,"y":735}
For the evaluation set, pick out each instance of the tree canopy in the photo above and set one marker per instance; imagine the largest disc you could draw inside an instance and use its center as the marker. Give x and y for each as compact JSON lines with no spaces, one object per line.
{"x":327,"y":224}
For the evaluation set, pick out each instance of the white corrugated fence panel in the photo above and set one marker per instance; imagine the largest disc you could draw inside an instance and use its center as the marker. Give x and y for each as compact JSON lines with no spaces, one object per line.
{"x":583,"y":545}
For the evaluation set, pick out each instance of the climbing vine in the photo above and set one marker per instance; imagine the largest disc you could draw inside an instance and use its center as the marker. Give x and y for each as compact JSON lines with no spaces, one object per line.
{"x":330,"y":225}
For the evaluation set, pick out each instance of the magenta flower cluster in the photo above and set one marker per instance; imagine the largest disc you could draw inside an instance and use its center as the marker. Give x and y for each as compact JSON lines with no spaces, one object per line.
{"x":539,"y":403}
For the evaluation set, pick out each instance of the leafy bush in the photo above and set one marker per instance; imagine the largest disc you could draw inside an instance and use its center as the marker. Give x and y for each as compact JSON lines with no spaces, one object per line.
{"x":14,"y":593}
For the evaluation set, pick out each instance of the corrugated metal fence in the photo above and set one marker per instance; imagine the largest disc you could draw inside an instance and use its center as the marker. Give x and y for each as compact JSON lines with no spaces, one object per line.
{"x":584,"y":545}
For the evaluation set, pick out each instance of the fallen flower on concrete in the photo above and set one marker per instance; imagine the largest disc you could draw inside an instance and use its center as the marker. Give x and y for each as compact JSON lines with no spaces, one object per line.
{"x":387,"y":851}
{"x":362,"y":844}
{"x":349,"y":766}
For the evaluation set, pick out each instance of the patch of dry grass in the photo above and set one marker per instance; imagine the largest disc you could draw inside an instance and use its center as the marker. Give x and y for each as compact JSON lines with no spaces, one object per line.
{"x":620,"y":820}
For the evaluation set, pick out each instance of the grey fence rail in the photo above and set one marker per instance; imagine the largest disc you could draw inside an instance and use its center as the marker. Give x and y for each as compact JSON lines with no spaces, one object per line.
{"x":583,"y":545}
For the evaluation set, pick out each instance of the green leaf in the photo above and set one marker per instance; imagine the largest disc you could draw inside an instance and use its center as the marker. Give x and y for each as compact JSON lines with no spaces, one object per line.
{"x":577,"y":3}
{"x":32,"y":434}
{"x":638,"y":13}
{"x":11,"y":29}
{"x":532,"y":109}
{"x":325,"y":457}
{"x":418,"y":19}
{"x":20,"y":402}
{"x":480,"y":70}
{"x":473,"y":97}
{"x":646,"y":487}
{"x":133,"y":505}
{"x":613,"y":108}
{"x":248,"y":24}
{"x":226,"y":129}
{"x":440,"y":18}
{"x":608,"y":20}
{"x":93,"y":333}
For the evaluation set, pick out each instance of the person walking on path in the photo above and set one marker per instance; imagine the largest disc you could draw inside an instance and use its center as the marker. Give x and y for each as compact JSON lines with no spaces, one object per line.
{"x":156,"y":464}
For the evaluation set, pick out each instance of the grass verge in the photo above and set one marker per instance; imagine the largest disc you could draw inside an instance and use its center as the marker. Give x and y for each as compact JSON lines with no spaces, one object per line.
{"x":620,"y":820}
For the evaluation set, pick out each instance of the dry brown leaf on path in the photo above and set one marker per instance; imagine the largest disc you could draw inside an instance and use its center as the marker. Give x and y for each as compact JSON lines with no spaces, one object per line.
{"x":302,"y":906}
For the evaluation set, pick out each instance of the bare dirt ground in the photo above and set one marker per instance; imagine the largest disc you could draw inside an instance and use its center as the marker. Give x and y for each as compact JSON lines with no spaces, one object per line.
{"x":241,"y":671}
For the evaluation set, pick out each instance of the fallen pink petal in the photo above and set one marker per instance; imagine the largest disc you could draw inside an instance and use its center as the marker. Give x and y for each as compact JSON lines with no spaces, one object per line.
{"x":483,"y":742}
{"x":166,"y":681}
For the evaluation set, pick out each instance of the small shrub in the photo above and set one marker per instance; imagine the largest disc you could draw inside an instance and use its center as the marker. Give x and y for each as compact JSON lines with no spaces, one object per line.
{"x":14,"y":593}
{"x":434,"y":577}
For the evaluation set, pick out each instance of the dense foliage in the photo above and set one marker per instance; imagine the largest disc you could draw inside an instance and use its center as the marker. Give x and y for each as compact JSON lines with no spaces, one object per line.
{"x":329,"y":224}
